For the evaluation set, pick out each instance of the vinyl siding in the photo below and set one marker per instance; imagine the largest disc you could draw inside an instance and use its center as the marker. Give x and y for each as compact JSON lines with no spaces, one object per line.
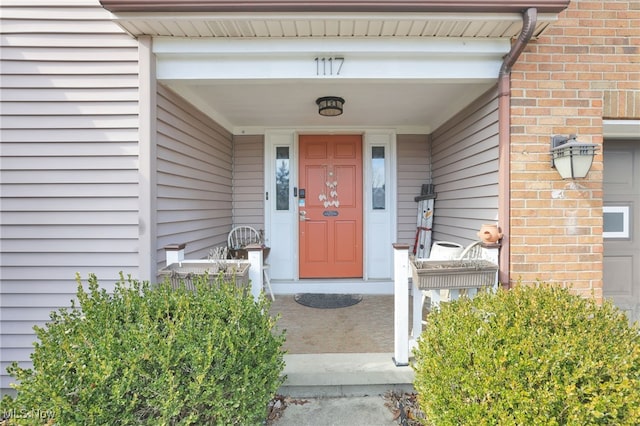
{"x":69,"y":159}
{"x":465,"y":171}
{"x":414,"y":169}
{"x":248,"y":181}
{"x":194,"y":178}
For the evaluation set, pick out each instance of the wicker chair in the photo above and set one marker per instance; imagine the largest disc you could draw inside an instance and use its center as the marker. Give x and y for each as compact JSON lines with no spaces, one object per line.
{"x":242,"y":236}
{"x":472,"y":252}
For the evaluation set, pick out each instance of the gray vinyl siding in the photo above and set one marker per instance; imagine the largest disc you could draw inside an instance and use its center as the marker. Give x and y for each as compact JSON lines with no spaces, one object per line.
{"x":194,"y":178}
{"x":248,"y":180}
{"x":414,"y":169}
{"x":69,"y":161}
{"x":465,"y":171}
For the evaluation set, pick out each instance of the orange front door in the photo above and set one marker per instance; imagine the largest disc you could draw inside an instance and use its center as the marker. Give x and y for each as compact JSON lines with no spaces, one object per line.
{"x":330,"y":222}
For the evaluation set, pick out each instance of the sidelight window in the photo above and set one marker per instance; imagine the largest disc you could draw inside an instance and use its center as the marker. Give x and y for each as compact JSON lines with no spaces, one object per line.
{"x":378,"y":173}
{"x":282,"y":177}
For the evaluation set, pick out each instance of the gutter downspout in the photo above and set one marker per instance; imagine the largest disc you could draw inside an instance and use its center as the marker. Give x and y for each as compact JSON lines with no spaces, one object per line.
{"x":529,"y":18}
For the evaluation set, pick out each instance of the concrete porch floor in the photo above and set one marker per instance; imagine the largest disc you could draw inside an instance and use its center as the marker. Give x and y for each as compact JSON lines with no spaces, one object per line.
{"x":366,"y":327}
{"x":340,"y":352}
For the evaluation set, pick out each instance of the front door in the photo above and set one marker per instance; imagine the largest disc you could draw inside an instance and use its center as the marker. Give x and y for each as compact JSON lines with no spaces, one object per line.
{"x":330,"y":206}
{"x":622,"y":225}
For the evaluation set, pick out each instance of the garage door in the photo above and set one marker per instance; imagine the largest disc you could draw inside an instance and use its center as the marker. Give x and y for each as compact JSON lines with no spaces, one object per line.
{"x":622,"y":225}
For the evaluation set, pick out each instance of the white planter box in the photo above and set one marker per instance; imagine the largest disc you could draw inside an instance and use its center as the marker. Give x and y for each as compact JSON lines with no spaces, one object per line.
{"x":453,"y":274}
{"x":186,"y":271}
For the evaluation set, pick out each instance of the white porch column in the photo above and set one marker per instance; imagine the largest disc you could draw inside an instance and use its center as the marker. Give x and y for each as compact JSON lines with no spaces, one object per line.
{"x":254,"y":252}
{"x":401,"y":304}
{"x":174,"y":253}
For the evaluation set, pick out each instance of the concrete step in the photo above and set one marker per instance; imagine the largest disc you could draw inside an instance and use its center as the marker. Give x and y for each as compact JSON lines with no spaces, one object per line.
{"x":334,"y":375}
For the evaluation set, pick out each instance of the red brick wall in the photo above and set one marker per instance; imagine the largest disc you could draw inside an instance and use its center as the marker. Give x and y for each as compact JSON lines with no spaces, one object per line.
{"x":584,"y":68}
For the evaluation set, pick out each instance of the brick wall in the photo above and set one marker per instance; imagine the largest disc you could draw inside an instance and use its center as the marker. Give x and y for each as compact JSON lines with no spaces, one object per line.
{"x":584,"y":68}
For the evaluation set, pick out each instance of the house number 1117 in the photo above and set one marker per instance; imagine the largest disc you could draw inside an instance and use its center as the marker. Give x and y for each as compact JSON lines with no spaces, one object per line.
{"x":328,"y":65}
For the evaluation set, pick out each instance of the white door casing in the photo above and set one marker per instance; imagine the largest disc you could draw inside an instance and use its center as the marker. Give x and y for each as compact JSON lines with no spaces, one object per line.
{"x":281,"y":226}
{"x":380,"y":230}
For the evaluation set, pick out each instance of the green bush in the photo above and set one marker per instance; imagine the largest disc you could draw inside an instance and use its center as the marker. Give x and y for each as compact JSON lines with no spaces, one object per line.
{"x":153,"y":355}
{"x":529,"y":356}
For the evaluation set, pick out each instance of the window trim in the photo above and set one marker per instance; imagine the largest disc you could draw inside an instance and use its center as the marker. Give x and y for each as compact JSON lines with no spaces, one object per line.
{"x":626,"y":211}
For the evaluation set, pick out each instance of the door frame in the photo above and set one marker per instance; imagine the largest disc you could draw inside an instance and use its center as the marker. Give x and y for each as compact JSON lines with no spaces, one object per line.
{"x":378,"y":252}
{"x":625,"y":131}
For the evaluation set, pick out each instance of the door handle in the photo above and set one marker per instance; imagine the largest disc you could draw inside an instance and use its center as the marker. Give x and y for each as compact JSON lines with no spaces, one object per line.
{"x":303,"y":215}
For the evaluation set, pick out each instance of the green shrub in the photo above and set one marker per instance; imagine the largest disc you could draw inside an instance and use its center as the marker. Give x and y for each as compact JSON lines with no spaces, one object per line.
{"x":154,"y":355}
{"x":529,"y":356}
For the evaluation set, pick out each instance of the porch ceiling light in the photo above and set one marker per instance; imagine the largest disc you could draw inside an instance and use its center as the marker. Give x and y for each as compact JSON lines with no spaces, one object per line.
{"x":572,"y":159}
{"x":330,"y":106}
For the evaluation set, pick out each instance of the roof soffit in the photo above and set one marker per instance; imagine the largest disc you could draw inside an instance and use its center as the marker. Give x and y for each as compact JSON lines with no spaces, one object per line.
{"x":298,"y":25}
{"x":362,"y":6}
{"x":329,"y":18}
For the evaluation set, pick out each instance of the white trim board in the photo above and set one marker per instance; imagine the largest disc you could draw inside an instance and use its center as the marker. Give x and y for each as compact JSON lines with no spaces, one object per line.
{"x":622,"y":129}
{"x":360,"y":58}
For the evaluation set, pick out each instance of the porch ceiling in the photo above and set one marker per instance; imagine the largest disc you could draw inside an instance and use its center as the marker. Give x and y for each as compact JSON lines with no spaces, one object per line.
{"x":409,"y":107}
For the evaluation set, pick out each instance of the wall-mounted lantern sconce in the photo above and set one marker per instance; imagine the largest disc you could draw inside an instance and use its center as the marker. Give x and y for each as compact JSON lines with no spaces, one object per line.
{"x":572,"y":159}
{"x":330,"y":106}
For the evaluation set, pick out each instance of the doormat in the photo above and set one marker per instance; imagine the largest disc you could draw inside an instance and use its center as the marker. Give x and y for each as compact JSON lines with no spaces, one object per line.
{"x":327,"y":301}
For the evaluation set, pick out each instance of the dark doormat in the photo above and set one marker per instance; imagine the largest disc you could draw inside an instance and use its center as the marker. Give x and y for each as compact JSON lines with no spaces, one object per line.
{"x":327,"y":301}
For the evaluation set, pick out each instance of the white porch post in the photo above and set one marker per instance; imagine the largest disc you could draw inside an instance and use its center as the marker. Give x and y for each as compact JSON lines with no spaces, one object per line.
{"x":174,"y":253}
{"x":401,"y":304}
{"x":254,"y":252}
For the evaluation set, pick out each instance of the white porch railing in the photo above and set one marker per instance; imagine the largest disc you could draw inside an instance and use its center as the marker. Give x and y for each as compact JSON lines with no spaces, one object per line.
{"x":405,"y":341}
{"x":175,"y":254}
